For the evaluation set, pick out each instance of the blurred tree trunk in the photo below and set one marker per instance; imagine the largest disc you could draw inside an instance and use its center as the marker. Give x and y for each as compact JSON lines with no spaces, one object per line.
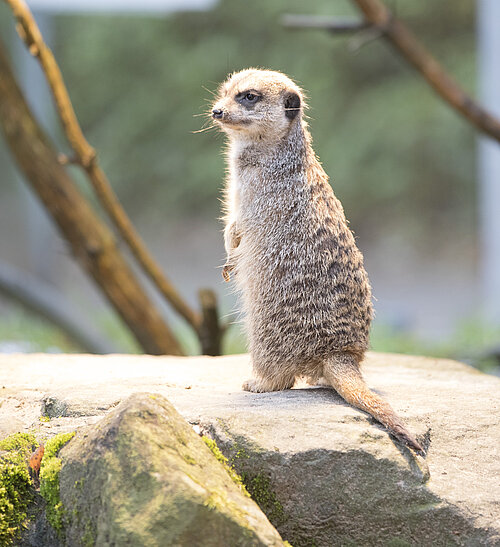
{"x":92,"y":243}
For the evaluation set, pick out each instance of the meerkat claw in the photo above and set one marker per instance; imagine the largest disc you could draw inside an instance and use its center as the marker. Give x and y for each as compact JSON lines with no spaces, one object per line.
{"x":252,"y":385}
{"x":226,"y":272}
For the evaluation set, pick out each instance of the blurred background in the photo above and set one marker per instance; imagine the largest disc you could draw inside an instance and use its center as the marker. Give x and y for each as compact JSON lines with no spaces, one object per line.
{"x":404,"y":165}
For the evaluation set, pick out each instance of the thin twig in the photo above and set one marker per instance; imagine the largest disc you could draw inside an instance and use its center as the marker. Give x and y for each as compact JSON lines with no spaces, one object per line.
{"x":398,"y":35}
{"x":385,"y":24}
{"x":363,"y":38}
{"x":86,"y":157}
{"x":336,"y":25}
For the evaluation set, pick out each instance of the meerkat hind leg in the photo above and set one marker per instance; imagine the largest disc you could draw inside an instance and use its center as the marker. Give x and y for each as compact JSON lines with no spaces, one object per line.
{"x":262,"y":384}
{"x":343,"y":374}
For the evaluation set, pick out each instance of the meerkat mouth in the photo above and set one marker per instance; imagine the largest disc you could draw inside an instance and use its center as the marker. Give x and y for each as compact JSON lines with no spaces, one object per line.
{"x":235,"y":123}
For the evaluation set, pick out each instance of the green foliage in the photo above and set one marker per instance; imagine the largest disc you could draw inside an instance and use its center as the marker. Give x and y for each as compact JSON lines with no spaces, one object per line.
{"x":19,"y":327}
{"x":471,"y":342}
{"x":16,"y":490}
{"x":398,"y":157}
{"x":29,"y":333}
{"x":49,"y":479}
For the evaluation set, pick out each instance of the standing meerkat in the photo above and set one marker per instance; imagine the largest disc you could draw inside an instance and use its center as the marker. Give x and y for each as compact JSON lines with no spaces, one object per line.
{"x":306,"y":294}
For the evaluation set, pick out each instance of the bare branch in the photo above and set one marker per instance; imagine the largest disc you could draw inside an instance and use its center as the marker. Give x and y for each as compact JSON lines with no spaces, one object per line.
{"x":398,"y":35}
{"x":380,"y":22}
{"x":91,"y":241}
{"x":86,"y":157}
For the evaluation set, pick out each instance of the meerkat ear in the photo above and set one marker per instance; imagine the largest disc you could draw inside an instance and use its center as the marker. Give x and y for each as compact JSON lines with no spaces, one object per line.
{"x":292,"y":105}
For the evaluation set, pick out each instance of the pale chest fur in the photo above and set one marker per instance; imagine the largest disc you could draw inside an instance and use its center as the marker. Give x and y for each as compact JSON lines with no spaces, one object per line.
{"x":244,"y":180}
{"x":263,"y":188}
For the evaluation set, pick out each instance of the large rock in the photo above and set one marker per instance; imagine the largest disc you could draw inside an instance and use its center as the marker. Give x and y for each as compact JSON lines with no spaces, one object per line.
{"x":142,"y":477}
{"x":324,"y":472}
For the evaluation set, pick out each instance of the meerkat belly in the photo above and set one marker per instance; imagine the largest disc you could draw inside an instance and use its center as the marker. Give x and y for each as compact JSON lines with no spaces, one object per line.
{"x":304,"y":287}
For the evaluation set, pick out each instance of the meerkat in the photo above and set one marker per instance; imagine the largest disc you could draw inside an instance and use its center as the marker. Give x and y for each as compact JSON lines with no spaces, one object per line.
{"x":305,"y":292}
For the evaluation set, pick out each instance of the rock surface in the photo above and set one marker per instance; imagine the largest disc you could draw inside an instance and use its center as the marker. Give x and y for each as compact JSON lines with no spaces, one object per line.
{"x":325,"y":473}
{"x":142,"y":477}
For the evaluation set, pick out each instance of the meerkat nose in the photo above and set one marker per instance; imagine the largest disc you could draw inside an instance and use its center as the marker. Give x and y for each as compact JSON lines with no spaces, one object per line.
{"x":217,"y":114}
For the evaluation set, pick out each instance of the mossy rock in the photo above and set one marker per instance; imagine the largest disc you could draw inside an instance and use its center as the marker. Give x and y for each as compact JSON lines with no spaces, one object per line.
{"x":143,"y":477}
{"x":29,"y":518}
{"x":16,"y":489}
{"x":49,"y":479}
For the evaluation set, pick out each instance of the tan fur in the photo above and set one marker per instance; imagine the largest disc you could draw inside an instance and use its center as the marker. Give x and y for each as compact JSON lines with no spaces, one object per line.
{"x":306,"y":295}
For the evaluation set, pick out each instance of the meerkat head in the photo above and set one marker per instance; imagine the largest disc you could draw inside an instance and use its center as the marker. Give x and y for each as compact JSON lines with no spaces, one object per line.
{"x":258,"y":104}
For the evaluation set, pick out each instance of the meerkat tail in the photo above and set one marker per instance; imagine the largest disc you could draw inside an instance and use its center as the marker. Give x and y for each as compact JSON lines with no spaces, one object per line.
{"x":343,"y":374}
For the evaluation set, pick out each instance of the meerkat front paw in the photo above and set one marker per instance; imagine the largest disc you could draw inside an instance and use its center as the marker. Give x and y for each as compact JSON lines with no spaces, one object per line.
{"x":226,"y":272}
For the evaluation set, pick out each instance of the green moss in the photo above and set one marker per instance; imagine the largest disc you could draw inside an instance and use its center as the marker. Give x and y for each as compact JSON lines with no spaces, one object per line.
{"x":19,"y":442}
{"x":49,"y":479}
{"x":223,"y":460}
{"x":88,"y":538}
{"x":216,"y":501}
{"x":44,"y":418}
{"x":259,"y":488}
{"x":79,"y":483}
{"x":239,"y":453}
{"x":189,"y":459}
{"x":56,"y":443}
{"x":16,"y":489}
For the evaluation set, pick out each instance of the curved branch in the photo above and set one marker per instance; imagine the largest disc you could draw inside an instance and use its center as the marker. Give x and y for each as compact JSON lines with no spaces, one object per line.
{"x":398,"y":34}
{"x":86,"y":157}
{"x":91,"y":241}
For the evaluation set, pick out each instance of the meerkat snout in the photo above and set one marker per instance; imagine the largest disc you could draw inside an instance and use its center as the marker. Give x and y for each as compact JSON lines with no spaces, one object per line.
{"x":217,"y":113}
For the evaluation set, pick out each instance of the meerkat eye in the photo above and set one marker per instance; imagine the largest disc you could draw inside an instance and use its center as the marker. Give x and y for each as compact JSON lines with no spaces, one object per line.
{"x":247,"y":98}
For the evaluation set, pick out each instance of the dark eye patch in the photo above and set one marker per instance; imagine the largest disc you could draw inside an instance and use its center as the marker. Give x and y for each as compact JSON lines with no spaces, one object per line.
{"x":248,"y":98}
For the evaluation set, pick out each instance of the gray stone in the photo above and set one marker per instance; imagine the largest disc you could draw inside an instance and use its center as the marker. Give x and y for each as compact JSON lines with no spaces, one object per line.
{"x":325,"y":473}
{"x":142,"y":477}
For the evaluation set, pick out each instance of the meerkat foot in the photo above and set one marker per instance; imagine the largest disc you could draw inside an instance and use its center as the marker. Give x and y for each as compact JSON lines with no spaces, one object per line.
{"x":318,"y":382}
{"x":263,"y":385}
{"x":226,"y":272}
{"x":254,"y":386}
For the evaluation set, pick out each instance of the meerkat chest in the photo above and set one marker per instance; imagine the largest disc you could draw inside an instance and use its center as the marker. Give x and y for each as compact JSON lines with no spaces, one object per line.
{"x":266,"y":195}
{"x":245,"y":177}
